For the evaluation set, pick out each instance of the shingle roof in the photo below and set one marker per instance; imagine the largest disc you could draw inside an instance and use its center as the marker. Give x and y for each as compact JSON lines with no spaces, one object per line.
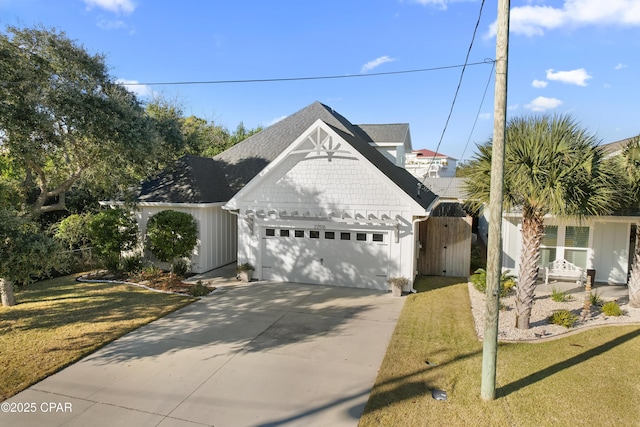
{"x":447,"y":188}
{"x":203,"y":180}
{"x":615,"y":147}
{"x":190,"y":179}
{"x":395,"y":132}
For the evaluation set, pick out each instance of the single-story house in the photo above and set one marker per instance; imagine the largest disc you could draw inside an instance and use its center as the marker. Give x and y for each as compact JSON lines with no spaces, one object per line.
{"x":310,"y":199}
{"x":604,"y":243}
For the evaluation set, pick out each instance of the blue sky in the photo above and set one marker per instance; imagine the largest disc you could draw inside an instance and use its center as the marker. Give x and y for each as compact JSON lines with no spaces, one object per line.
{"x":580,"y":57}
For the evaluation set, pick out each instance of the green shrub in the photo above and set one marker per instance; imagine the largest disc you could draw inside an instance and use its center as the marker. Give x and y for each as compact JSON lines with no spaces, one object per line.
{"x":73,"y":231}
{"x":596,"y":299}
{"x":479,"y":281}
{"x":199,"y":290}
{"x":181,"y":267}
{"x":559,"y":296}
{"x":131,"y":264}
{"x":171,"y":235}
{"x":476,"y":257}
{"x":563,"y":318}
{"x":112,"y":232}
{"x":244,"y":267}
{"x":612,"y":308}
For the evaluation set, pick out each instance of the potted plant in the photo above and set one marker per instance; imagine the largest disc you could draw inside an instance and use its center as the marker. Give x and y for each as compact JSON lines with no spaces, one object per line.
{"x":244,"y":271}
{"x":397,"y":285}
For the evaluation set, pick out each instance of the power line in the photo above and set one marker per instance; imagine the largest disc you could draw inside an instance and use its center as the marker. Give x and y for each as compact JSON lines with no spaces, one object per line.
{"x":455,"y":96}
{"x":484,"y":95}
{"x":290,"y":79}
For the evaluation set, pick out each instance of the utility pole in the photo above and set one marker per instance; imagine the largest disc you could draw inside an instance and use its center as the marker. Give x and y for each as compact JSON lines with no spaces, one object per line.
{"x":494,"y":244}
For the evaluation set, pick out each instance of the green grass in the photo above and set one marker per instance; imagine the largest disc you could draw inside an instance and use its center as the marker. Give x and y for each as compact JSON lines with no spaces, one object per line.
{"x":58,"y":321}
{"x":590,"y":378}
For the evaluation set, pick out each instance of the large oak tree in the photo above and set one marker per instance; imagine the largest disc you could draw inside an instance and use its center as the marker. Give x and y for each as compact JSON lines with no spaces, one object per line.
{"x":63,"y":118}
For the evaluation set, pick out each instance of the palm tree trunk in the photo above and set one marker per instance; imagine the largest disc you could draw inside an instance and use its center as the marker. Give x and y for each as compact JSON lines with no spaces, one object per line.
{"x":6,"y":293}
{"x":634,"y":278}
{"x":532,"y":232}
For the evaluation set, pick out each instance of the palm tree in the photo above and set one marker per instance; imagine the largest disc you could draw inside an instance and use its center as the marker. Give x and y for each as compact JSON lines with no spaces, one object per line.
{"x":631,"y":164}
{"x":552,"y":167}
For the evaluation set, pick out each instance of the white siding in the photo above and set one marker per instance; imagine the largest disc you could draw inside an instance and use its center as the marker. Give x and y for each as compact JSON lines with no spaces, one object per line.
{"x":217,"y":231}
{"x":611,"y":252}
{"x":340,"y":193}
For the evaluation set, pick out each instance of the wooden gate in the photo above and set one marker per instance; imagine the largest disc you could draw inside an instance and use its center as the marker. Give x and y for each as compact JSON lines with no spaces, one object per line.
{"x":445,"y":246}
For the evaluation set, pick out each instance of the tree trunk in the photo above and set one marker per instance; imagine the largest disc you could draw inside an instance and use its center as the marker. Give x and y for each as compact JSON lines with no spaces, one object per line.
{"x":634,"y":278}
{"x":6,"y":291}
{"x":532,"y":232}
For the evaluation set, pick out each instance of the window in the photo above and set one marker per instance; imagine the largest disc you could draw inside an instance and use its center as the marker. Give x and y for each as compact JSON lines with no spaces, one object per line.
{"x":570,"y":243}
{"x":314,"y":234}
{"x":345,"y":236}
{"x":299,"y":233}
{"x":284,"y":233}
{"x":548,"y":245}
{"x":329,"y":235}
{"x":270,"y":232}
{"x":378,"y":237}
{"x":576,"y":241}
{"x":362,"y":237}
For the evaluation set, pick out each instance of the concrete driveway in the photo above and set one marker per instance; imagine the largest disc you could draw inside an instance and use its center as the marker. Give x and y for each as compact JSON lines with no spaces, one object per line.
{"x":261,"y":354}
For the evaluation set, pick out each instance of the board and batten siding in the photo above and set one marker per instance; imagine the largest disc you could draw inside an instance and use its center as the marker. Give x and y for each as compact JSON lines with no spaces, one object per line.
{"x":217,"y":234}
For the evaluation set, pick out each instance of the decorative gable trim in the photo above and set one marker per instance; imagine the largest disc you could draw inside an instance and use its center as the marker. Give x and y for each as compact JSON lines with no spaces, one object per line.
{"x":321,"y":140}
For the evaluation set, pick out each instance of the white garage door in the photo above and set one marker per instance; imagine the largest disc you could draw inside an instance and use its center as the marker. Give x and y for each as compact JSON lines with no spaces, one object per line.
{"x":331,"y":257}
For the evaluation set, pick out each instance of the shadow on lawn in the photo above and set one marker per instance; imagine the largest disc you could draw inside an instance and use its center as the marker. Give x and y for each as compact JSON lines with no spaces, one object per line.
{"x":554,"y":369}
{"x":431,"y":283}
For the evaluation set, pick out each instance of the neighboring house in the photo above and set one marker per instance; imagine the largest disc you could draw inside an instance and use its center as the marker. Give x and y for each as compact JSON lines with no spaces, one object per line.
{"x":604,"y":243}
{"x":429,"y":164}
{"x":309,"y":199}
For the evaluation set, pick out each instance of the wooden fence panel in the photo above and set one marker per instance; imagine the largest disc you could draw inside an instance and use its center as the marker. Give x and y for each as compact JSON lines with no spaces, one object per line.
{"x":445,"y":246}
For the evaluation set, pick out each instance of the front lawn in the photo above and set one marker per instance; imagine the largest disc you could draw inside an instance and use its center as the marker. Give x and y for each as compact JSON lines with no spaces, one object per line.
{"x":58,"y":321}
{"x":590,"y":378}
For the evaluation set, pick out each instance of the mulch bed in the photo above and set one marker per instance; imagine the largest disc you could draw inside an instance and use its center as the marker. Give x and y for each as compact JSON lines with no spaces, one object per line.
{"x":154,"y":279}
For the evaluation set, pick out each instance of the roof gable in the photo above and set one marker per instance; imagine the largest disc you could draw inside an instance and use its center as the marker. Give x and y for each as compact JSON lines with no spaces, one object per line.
{"x":329,"y":143}
{"x":204,"y":180}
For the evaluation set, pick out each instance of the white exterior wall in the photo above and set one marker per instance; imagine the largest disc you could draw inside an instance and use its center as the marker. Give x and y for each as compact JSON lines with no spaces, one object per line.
{"x":608,"y":251}
{"x":611,"y":251}
{"x":217,"y":234}
{"x":346,"y":193}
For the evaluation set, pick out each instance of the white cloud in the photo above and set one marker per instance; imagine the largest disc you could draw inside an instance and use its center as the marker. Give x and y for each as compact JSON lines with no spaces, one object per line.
{"x":484,"y":116}
{"x":116,"y":6}
{"x":576,"y":77}
{"x":440,"y":4}
{"x":539,"y":83}
{"x":134,"y":86}
{"x":106,"y":24}
{"x":534,"y":20}
{"x":375,"y":63}
{"x":542,"y":103}
{"x":620,"y":66}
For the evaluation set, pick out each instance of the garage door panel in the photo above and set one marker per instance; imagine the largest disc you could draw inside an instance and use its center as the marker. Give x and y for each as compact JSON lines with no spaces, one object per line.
{"x":326,"y":261}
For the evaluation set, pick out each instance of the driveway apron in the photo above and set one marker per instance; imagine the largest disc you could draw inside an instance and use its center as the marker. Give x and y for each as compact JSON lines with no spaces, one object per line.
{"x":261,"y":354}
